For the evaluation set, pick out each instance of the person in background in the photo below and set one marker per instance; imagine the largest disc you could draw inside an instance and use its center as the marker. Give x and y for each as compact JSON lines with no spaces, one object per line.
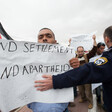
{"x":85,"y":90}
{"x":100,"y":50}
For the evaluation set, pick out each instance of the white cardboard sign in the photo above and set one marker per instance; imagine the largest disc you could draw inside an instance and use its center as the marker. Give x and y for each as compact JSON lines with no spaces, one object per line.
{"x":84,"y":40}
{"x":21,"y":63}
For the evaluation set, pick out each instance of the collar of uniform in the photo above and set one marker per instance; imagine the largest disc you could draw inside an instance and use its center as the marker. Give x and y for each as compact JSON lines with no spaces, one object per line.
{"x":110,"y":48}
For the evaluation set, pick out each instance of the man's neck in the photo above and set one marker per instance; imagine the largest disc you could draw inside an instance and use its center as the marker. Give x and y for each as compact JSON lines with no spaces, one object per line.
{"x":98,"y":53}
{"x":109,"y":45}
{"x":80,"y":56}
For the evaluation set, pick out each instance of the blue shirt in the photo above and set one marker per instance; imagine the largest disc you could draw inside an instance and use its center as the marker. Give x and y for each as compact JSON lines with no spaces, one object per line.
{"x":47,"y":107}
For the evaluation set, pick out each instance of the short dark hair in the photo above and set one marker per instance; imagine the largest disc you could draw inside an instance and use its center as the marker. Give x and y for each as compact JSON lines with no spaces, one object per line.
{"x":48,"y":29}
{"x":100,"y":44}
{"x":80,"y":47}
{"x":108,"y":33}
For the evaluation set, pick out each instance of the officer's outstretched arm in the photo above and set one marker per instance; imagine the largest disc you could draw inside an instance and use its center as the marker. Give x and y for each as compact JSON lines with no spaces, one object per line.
{"x":96,"y":72}
{"x":99,"y":71}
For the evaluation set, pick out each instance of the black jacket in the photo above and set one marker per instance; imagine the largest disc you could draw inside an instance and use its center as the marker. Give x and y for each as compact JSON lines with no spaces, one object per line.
{"x":98,"y":71}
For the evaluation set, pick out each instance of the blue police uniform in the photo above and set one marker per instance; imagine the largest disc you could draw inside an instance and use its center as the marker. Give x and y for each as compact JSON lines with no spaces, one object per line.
{"x":98,"y":71}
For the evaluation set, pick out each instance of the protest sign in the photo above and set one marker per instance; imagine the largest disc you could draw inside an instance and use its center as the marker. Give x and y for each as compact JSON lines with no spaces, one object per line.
{"x":21,"y":63}
{"x":84,"y":40}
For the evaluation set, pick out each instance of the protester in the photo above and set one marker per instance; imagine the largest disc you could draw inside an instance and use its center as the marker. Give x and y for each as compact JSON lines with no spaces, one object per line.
{"x":100,"y":50}
{"x":98,"y":71}
{"x":47,"y":36}
{"x":85,"y":90}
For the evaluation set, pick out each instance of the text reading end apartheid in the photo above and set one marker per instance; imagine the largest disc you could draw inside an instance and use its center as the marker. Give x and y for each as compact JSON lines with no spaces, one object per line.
{"x":16,"y":70}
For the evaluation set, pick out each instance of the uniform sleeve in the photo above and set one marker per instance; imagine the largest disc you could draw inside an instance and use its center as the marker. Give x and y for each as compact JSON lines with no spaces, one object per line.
{"x":99,"y":71}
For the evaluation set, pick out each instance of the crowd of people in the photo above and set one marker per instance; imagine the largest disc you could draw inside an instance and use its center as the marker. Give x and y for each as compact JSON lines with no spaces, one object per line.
{"x":94,"y":72}
{"x":84,"y":73}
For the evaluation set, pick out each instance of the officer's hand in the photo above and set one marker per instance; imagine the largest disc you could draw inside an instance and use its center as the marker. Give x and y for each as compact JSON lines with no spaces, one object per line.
{"x":94,"y":37}
{"x":45,"y":84}
{"x":74,"y":63}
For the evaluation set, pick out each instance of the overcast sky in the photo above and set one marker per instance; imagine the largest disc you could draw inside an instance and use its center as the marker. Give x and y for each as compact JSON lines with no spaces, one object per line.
{"x":22,"y":19}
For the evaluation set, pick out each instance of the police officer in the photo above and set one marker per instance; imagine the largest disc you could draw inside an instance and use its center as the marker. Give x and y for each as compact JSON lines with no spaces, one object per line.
{"x":98,"y":71}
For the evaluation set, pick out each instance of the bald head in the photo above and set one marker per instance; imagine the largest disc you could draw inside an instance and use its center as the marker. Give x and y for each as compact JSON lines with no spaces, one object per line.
{"x":80,"y":51}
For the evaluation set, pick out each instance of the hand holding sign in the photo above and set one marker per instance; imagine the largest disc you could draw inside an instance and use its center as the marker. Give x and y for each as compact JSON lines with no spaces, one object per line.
{"x":94,"y":37}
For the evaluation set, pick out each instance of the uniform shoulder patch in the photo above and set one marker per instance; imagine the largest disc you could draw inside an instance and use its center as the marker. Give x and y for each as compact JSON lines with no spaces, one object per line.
{"x":101,"y":61}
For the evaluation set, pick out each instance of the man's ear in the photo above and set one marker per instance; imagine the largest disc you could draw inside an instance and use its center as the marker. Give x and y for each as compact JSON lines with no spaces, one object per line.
{"x":55,"y":42}
{"x":107,"y":40}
